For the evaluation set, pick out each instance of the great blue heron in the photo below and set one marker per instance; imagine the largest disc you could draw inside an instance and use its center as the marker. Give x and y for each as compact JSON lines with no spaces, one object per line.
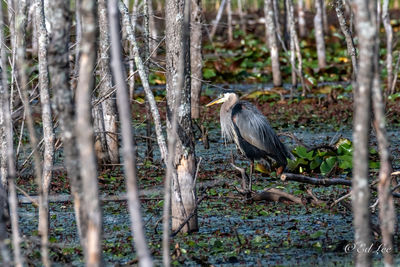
{"x":249,"y":129}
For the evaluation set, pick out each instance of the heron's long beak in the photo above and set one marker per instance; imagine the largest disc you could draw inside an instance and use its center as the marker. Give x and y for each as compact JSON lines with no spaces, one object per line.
{"x":216,"y":101}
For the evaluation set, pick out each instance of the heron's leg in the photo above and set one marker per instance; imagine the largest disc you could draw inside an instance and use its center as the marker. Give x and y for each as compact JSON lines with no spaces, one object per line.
{"x":251,"y":175}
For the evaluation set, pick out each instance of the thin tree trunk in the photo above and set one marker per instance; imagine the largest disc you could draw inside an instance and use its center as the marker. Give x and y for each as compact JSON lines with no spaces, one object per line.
{"x":48,"y":133}
{"x":270,"y":29}
{"x":296,"y":44}
{"x":196,"y":60}
{"x":387,"y":213}
{"x":217,"y":19}
{"x":319,"y":35}
{"x":131,"y":55}
{"x":129,"y":153}
{"x":302,"y":20}
{"x":78,"y":38}
{"x":58,"y":57}
{"x":146,"y":59}
{"x":241,"y":16}
{"x":229,"y":15}
{"x":351,"y":50}
{"x":183,"y":199}
{"x":84,"y":131}
{"x":324,"y":17}
{"x":366,"y":30}
{"x":153,"y":31}
{"x":7,"y":157}
{"x":389,"y":45}
{"x":108,"y":106}
{"x":126,"y":23}
{"x":21,"y":22}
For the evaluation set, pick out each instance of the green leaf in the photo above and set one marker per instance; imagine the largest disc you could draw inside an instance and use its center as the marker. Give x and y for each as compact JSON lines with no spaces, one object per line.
{"x":374,"y":165}
{"x":315,"y":163}
{"x":327,"y":165}
{"x":301,"y":151}
{"x":345,"y":149}
{"x":209,"y":73}
{"x":345,"y":162}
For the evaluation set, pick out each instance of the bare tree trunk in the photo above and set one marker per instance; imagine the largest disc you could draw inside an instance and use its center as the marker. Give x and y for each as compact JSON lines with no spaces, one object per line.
{"x":48,"y":134}
{"x":217,"y":19}
{"x":146,"y":59}
{"x":84,"y":131}
{"x":241,"y":16}
{"x":389,"y":45}
{"x":387,"y":213}
{"x":131,"y":55}
{"x":351,"y":50}
{"x":229,"y":14}
{"x":302,"y":20}
{"x":324,"y":17}
{"x":21,"y":22}
{"x":7,"y":157}
{"x":272,"y":42}
{"x":153,"y":31}
{"x":366,"y":30}
{"x":78,"y":38}
{"x":178,"y":45}
{"x":296,"y":44}
{"x":126,"y":23}
{"x":196,"y":60}
{"x":108,"y":106}
{"x":58,"y":56}
{"x":129,"y":153}
{"x":319,"y":35}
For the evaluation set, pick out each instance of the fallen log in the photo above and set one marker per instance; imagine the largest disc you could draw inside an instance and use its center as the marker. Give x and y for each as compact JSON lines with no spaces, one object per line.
{"x":315,"y":181}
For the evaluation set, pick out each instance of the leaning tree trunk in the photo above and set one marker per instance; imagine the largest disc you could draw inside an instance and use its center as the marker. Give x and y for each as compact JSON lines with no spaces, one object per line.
{"x":319,"y":35}
{"x":270,"y":28}
{"x":129,"y":153}
{"x":367,"y":34}
{"x":59,"y":19}
{"x":351,"y":50}
{"x":217,"y":19}
{"x":196,"y":61}
{"x":48,"y":134}
{"x":177,"y":45}
{"x":84,"y":132}
{"x":108,"y":106}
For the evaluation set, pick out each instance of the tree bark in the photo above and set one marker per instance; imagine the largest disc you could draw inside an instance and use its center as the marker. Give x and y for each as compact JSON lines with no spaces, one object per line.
{"x":58,"y":57}
{"x":129,"y":153}
{"x":48,"y":134}
{"x":302,"y":20}
{"x":126,"y":23}
{"x":387,"y":212}
{"x":177,"y":45}
{"x":229,"y":15}
{"x":7,"y":158}
{"x":351,"y":50}
{"x":217,"y":19}
{"x":270,"y":29}
{"x":241,"y":16}
{"x":367,"y":34}
{"x":319,"y":35}
{"x":389,"y":46}
{"x":84,"y":131}
{"x":196,"y":60}
{"x":110,"y":117}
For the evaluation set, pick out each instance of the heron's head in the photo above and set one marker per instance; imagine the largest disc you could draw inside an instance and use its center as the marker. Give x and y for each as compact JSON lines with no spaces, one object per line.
{"x":223,"y":98}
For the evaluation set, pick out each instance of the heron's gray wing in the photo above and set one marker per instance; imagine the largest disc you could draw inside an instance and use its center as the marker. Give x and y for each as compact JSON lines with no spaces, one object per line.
{"x":254,"y":127}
